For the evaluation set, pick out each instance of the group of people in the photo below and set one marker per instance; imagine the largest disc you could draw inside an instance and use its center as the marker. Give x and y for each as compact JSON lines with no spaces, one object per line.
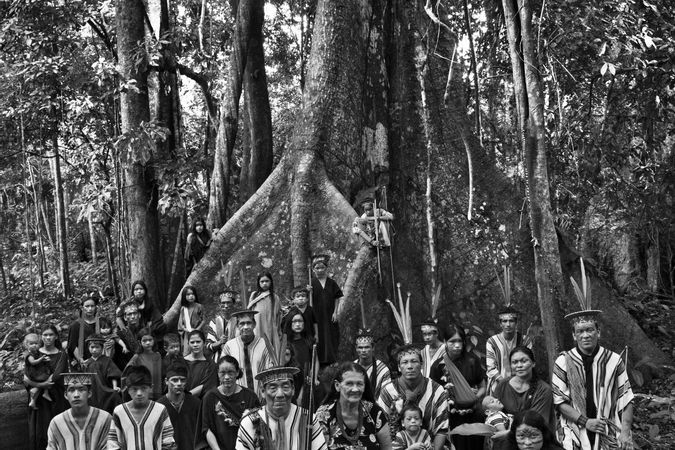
{"x":263,"y":375}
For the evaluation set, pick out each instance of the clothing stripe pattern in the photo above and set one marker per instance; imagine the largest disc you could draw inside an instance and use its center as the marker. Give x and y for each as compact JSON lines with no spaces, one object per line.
{"x":64,"y":434}
{"x":428,"y":359}
{"x":612,"y":393}
{"x":497,"y":350}
{"x":259,"y":354}
{"x":295,"y":427}
{"x":153,"y":432}
{"x":382,"y":376}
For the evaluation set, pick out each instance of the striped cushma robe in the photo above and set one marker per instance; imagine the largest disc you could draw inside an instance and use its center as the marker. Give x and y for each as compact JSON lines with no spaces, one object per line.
{"x":497,"y":350}
{"x":64,"y":434}
{"x":433,"y":401}
{"x":153,"y":432}
{"x":217,"y":328}
{"x":258,"y":429}
{"x":260,"y":354}
{"x":428,"y":359}
{"x":381,"y":378}
{"x":611,"y":392}
{"x":403,"y":440}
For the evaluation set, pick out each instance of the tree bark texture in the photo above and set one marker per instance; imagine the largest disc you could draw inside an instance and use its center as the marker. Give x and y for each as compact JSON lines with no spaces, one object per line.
{"x":219,"y":189}
{"x":257,"y":167}
{"x":60,"y":213}
{"x":140,"y":187}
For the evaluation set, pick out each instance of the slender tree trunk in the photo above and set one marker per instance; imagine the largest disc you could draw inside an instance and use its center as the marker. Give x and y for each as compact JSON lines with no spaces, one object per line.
{"x":527,"y":86}
{"x":229,"y":117}
{"x":141,"y":192}
{"x":61,"y":231}
{"x":2,"y":274}
{"x":92,"y":239}
{"x":474,"y":63}
{"x":258,"y":110}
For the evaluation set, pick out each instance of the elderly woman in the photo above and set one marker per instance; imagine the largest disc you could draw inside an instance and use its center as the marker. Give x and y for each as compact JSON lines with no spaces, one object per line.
{"x":349,"y":417}
{"x":461,"y":372}
{"x":223,"y":406}
{"x":523,"y":391}
{"x":529,"y":431}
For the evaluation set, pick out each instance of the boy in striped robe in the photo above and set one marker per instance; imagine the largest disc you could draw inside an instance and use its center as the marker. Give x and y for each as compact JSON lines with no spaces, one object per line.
{"x":279,"y":425}
{"x":140,"y":424}
{"x":433,"y":349}
{"x":413,"y":387}
{"x":591,"y":391}
{"x":378,"y":372}
{"x":499,"y":346}
{"x":254,"y":353}
{"x":82,"y":426}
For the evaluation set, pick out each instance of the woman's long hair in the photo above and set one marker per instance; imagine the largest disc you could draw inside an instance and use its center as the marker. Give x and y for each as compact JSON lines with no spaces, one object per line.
{"x":258,"y":289}
{"x":57,"y":340}
{"x":143,"y":285}
{"x":452,"y":329}
{"x":534,"y":381}
{"x":534,"y":419}
{"x":288,"y":323}
{"x":204,"y":234}
{"x":349,"y":366}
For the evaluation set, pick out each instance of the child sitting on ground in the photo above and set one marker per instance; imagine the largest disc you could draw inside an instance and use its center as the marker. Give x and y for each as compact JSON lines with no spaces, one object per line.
{"x":495,"y":416}
{"x":111,"y":338}
{"x":413,"y":436}
{"x":37,"y":368}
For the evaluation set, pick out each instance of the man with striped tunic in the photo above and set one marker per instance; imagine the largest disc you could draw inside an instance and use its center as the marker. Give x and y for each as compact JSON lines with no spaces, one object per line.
{"x":378,"y":372}
{"x":140,"y":424}
{"x":433,"y":349}
{"x":82,"y":426}
{"x":591,"y":391}
{"x":254,"y":353}
{"x":413,"y":387}
{"x":279,"y":425}
{"x":223,"y":327}
{"x":498,"y":347}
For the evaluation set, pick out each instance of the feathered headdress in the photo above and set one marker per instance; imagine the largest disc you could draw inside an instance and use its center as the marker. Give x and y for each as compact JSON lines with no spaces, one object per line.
{"x":505,"y":285}
{"x":402,"y":316}
{"x":583,"y":294}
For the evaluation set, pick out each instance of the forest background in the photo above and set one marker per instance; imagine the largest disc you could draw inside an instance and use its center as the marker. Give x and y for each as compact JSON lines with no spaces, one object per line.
{"x":498,"y":132}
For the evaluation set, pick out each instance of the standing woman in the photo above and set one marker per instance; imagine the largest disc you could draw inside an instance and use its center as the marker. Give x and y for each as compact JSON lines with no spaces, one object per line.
{"x":198,"y":241}
{"x":464,"y":378}
{"x":191,"y":316}
{"x":202,"y":371}
{"x":326,"y":296}
{"x":223,"y":406}
{"x":39,"y":418}
{"x":268,"y":306}
{"x":523,"y":391}
{"x":349,"y":417}
{"x":81,"y":329}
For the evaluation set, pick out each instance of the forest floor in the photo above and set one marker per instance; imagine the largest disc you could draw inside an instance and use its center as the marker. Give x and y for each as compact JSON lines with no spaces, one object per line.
{"x":654,"y":425}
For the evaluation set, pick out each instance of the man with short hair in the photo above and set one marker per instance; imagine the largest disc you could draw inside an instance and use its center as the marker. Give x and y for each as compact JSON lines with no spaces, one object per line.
{"x":413,"y":387}
{"x":378,"y":372}
{"x":183,"y":407}
{"x":140,"y":424}
{"x":82,"y":426}
{"x":279,"y":425}
{"x":223,"y":327}
{"x":498,"y":347}
{"x":591,"y":388}
{"x":254,"y":353}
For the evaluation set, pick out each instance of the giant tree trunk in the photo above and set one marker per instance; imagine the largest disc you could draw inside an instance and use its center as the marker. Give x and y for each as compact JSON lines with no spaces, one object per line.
{"x":258,"y":165}
{"x":140,"y":187}
{"x":219,"y":189}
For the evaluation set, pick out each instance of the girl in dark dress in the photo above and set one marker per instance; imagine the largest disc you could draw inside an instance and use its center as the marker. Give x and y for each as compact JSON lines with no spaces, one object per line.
{"x":39,"y":418}
{"x":202,"y":371}
{"x":326,"y":295}
{"x":224,"y":405}
{"x":463,"y":408}
{"x":198,"y":242}
{"x":81,"y":329}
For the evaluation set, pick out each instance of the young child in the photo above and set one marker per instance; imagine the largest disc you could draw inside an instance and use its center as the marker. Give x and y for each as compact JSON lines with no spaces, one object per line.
{"x":173,"y":354}
{"x":301,"y":301}
{"x":413,"y":436}
{"x":37,"y":368}
{"x":190,"y":317}
{"x":105,"y":391}
{"x":111,"y":338}
{"x":150,"y":359}
{"x":495,"y":416}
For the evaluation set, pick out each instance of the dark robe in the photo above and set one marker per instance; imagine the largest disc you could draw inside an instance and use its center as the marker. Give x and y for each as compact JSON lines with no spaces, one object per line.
{"x":324,"y":306}
{"x":222,"y":414}
{"x":470,"y":368}
{"x":38,"y":419}
{"x":103,"y":395}
{"x":184,"y":421}
{"x":130,"y":339}
{"x":201,"y":372}
{"x":74,"y":338}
